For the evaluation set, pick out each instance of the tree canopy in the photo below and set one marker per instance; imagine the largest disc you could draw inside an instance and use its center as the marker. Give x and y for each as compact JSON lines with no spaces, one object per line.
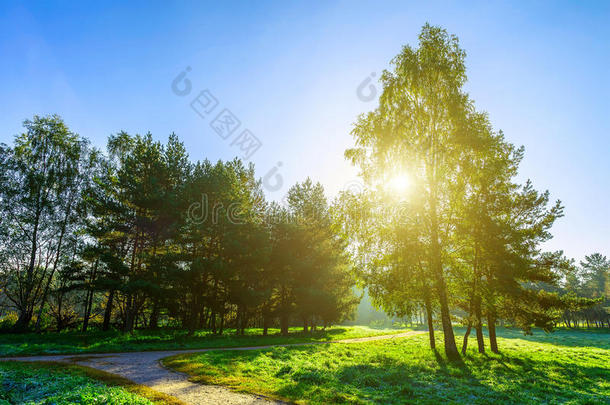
{"x":464,"y":239}
{"x":141,"y":236}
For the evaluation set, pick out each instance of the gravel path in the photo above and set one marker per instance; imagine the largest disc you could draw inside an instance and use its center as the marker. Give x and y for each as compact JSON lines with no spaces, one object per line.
{"x":145,"y":368}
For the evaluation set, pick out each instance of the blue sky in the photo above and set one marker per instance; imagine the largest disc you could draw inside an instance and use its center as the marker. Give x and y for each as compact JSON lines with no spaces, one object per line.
{"x":289,"y":72}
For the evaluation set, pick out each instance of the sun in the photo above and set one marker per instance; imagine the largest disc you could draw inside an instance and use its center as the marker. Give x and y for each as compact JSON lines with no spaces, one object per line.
{"x":399,"y":183}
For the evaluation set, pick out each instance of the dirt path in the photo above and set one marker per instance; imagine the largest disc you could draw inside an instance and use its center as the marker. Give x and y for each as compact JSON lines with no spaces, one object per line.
{"x":145,"y":368}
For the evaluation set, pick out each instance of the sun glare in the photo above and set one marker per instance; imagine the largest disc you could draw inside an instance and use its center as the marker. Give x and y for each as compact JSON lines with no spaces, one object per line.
{"x":399,"y":183}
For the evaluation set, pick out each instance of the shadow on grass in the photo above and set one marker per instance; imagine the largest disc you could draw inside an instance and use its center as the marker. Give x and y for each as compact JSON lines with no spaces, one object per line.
{"x":389,"y":382}
{"x":452,"y":382}
{"x":408,"y":372}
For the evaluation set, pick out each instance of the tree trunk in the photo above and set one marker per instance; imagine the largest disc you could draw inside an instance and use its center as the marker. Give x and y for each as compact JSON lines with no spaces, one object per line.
{"x":27,"y":311}
{"x":204,"y":314}
{"x":57,"y":256}
{"x":284,"y":324}
{"x":222,"y":323}
{"x":480,"y":339}
{"x":450,"y":347}
{"x":87,"y":314}
{"x":466,"y":335}
{"x":129,"y":314}
{"x":25,"y":316}
{"x":130,"y":305}
{"x":153,"y":323}
{"x":265,"y":325}
{"x":437,"y":266}
{"x":241,"y":321}
{"x":60,"y":323}
{"x":90,"y":294}
{"x":430,"y":323}
{"x":193,"y":315}
{"x":491,"y":326}
{"x":108,"y":311}
{"x":479,"y":324}
{"x":213,"y":322}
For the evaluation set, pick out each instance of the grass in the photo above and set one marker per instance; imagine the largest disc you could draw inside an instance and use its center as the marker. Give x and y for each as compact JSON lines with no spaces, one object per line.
{"x":567,"y":367}
{"x":56,"y":383}
{"x":166,"y":339}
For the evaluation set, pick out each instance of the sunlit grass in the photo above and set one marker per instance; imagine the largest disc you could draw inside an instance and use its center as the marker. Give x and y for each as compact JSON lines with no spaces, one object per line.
{"x":142,"y":340}
{"x":534,"y":369}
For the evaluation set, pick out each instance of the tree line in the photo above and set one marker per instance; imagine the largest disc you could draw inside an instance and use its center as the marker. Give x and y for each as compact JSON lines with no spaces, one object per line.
{"x":140,"y":236}
{"x":590,"y":279}
{"x":465,"y":240}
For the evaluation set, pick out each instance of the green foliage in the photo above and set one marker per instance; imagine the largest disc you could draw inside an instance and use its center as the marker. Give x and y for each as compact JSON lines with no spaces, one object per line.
{"x":563,"y":367}
{"x":143,"y":237}
{"x":464,"y":241}
{"x":424,"y":127}
{"x":42,"y":177}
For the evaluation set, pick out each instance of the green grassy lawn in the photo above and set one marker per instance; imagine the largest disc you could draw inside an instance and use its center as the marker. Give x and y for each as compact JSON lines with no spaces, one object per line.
{"x":567,"y":367}
{"x":53,"y":383}
{"x":164,"y":339}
